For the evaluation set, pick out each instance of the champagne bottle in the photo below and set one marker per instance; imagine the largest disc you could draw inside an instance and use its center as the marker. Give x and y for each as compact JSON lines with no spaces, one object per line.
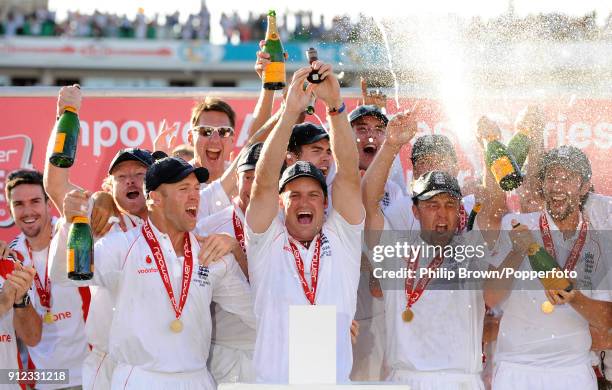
{"x":541,"y":260}
{"x":472,"y":217}
{"x":310,"y":108}
{"x":80,"y":250}
{"x":519,"y":147}
{"x":501,"y":163}
{"x":66,"y":138}
{"x":313,"y":77}
{"x":274,"y":72}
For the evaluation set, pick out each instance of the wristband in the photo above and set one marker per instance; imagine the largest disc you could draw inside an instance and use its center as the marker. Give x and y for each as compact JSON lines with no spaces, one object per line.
{"x":336,"y":111}
{"x":25,"y":301}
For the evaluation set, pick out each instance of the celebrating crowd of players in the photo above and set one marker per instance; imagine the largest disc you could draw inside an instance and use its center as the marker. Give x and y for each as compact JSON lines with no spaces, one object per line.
{"x":197,"y":262}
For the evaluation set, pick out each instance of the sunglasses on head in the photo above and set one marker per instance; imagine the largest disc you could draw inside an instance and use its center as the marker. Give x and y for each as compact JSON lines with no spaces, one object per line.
{"x":207,"y":131}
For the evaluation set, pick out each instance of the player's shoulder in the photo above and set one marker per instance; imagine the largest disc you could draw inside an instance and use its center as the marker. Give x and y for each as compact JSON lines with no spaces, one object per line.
{"x":213,"y":223}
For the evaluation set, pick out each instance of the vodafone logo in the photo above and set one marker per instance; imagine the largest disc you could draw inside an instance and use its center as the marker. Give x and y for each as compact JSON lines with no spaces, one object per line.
{"x":15,"y":153}
{"x":147,"y":270}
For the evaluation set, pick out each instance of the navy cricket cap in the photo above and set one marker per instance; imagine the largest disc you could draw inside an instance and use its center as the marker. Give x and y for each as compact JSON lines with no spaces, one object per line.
{"x":433,"y":183}
{"x":368,"y":110}
{"x":432,"y":144}
{"x":131,"y":154}
{"x":248,"y":159}
{"x":305,"y":134}
{"x":302,"y":169}
{"x":168,"y":170}
{"x":569,"y":157}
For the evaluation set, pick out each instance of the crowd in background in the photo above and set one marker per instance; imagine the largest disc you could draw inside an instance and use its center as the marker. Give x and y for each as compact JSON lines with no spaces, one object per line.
{"x":294,"y":26}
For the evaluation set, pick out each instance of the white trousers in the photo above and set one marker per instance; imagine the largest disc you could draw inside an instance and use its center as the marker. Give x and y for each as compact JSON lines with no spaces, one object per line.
{"x":369,"y":351}
{"x":511,"y":376}
{"x":97,"y":370}
{"x":135,"y":378}
{"x":231,"y":365}
{"x":437,"y":380}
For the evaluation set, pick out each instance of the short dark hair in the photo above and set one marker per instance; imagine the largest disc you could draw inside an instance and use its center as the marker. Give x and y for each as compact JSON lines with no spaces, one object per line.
{"x":24,"y":176}
{"x":212,"y":104}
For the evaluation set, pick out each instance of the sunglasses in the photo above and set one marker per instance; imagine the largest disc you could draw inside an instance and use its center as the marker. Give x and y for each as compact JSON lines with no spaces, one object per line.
{"x":207,"y":131}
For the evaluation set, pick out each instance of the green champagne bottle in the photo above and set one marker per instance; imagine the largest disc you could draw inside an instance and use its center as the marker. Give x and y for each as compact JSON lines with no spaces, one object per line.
{"x":472,"y":217}
{"x":519,"y":147}
{"x":541,"y":260}
{"x":66,"y":138}
{"x":310,"y":108}
{"x":80,"y":250}
{"x":501,"y":163}
{"x":274,"y":72}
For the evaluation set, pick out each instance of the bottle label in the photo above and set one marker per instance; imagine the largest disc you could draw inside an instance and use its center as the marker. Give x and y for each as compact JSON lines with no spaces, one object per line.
{"x":70,"y":260}
{"x":501,"y":168}
{"x":60,"y":139}
{"x":555,"y":283}
{"x":274,"y":73}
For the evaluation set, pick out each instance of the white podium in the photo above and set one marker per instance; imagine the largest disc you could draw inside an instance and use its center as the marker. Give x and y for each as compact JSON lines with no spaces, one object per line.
{"x":354,"y":386}
{"x":312,"y":354}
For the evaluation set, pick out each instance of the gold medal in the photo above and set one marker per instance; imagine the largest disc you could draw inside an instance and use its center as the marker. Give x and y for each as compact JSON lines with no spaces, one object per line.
{"x":176,"y":326}
{"x":407,"y":315}
{"x":48,"y":318}
{"x":547,"y":307}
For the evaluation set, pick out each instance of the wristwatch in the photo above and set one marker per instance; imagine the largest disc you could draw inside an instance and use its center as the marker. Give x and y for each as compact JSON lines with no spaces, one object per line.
{"x":25,"y":301}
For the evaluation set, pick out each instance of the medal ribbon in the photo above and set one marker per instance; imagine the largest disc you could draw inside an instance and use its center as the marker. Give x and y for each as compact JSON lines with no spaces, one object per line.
{"x":314,"y":269}
{"x":239,"y":231}
{"x":413,"y":295}
{"x":463,"y":218}
{"x":163,"y":269}
{"x":44,"y":292}
{"x":549,"y":245}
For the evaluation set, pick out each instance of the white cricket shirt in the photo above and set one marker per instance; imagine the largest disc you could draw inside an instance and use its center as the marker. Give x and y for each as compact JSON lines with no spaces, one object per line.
{"x":561,"y":338}
{"x":276,"y":285}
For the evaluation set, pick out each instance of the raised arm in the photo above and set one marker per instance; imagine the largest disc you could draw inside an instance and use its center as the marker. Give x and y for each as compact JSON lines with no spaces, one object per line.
{"x":57,"y":180}
{"x":263,"y":206}
{"x":346,"y":196}
{"x":400,"y":130}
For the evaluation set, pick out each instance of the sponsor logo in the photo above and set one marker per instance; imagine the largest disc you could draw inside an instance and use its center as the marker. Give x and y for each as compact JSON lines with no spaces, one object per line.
{"x":6,"y":338}
{"x":15,"y":153}
{"x":147,"y":270}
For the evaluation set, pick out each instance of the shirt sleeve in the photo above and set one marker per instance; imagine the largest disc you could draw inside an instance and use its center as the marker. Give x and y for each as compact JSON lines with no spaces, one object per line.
{"x":110,"y":254}
{"x":503,"y":246}
{"x":212,"y":199}
{"x":350,"y":235}
{"x":233,"y":293}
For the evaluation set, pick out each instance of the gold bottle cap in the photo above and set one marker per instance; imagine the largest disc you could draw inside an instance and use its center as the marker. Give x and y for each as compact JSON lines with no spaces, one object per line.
{"x":547,"y":307}
{"x":71,"y":109}
{"x":533,"y":248}
{"x":80,"y":220}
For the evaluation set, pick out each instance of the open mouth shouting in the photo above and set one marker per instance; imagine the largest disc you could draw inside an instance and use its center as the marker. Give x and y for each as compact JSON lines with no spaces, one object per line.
{"x":192,"y":211}
{"x":370,"y":149}
{"x":441,"y":228}
{"x":213,"y":154}
{"x":304,"y":217}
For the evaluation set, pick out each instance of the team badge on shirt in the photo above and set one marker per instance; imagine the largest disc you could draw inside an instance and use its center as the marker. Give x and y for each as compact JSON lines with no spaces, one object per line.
{"x":202,"y":276}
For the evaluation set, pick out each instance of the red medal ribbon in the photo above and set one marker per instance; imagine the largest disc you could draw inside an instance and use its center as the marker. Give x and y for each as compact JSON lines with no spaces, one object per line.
{"x":239,"y":231}
{"x":413,"y":295}
{"x":44,"y":292}
{"x":463,"y":218}
{"x":549,"y":245}
{"x":314,"y":269}
{"x":163,"y":269}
